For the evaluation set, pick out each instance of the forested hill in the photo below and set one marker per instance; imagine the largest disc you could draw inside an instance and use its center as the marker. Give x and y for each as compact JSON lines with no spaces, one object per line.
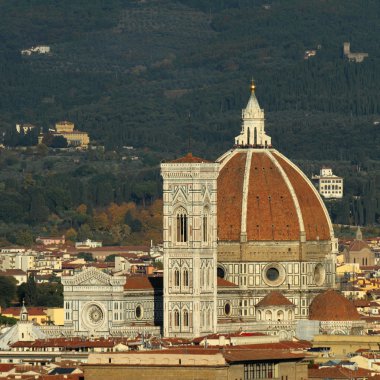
{"x":152,"y":73}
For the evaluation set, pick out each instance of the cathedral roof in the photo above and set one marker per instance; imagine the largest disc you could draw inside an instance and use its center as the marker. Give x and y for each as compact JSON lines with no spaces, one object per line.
{"x":262,"y":195}
{"x":332,"y":306}
{"x":358,"y":245}
{"x":144,"y":283}
{"x":274,"y":299}
{"x":221,"y":282}
{"x":189,"y":159}
{"x":32,"y":310}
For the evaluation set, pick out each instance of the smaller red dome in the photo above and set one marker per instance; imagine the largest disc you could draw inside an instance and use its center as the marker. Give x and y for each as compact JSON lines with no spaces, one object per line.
{"x":274,"y":299}
{"x":332,"y":306}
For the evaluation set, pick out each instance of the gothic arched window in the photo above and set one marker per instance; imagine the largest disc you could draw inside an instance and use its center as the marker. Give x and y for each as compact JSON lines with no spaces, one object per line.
{"x":181,"y":225}
{"x":176,"y":318}
{"x":185,"y":277}
{"x":177,"y":277}
{"x":186,"y":318}
{"x":205,"y":226}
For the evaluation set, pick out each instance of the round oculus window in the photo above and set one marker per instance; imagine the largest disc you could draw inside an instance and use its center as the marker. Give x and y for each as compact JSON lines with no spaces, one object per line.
{"x":319,"y":274}
{"x":272,"y":274}
{"x":95,"y":315}
{"x":227,"y":309}
{"x":139,"y":312}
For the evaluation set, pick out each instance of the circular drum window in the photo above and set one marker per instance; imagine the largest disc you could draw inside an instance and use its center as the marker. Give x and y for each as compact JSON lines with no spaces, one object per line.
{"x":227,"y":309}
{"x":319,"y":274}
{"x":139,"y":312}
{"x":273,"y":274}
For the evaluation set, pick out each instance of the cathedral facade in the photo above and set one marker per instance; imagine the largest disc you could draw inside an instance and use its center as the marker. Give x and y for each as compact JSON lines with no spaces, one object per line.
{"x":248,"y":244}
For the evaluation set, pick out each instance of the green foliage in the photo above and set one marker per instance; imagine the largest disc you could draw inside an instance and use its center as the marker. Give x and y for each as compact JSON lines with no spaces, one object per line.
{"x":7,"y":290}
{"x":46,"y":294}
{"x":58,"y":142}
{"x":110,"y":259}
{"x":87,"y":256}
{"x":28,"y":291}
{"x":8,"y":321}
{"x":134,"y":224}
{"x":161,"y":76}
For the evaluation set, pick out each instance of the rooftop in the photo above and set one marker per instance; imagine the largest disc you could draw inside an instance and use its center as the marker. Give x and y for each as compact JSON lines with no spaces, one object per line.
{"x":189,"y":159}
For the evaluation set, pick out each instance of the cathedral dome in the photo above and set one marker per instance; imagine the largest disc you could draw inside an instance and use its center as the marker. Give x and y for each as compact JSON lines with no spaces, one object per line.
{"x":332,"y":306}
{"x":262,"y":196}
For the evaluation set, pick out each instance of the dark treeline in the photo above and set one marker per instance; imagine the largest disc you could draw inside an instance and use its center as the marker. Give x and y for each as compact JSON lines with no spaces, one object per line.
{"x":163,"y":75}
{"x":76,"y":194}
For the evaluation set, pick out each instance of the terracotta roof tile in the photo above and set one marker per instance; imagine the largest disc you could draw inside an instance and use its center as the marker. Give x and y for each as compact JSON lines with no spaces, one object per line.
{"x":189,"y":159}
{"x":12,"y":272}
{"x":32,"y":310}
{"x":314,"y":218}
{"x":332,"y":306}
{"x":5,"y":367}
{"x":236,"y":355}
{"x":144,"y":282}
{"x":221,"y":282}
{"x":271,"y":211}
{"x":338,"y":373}
{"x":230,"y":193}
{"x":274,"y":299}
{"x":358,"y":245}
{"x":361,"y":303}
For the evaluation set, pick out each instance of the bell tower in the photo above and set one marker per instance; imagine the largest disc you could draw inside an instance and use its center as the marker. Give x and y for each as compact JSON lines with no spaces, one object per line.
{"x":190,"y":246}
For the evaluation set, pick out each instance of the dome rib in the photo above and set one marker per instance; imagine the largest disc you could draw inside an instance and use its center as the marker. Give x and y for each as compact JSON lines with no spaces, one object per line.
{"x":271,"y":211}
{"x":293,"y":194}
{"x":262,"y":196}
{"x":244,"y":206}
{"x":230,"y":185}
{"x":316,"y":222}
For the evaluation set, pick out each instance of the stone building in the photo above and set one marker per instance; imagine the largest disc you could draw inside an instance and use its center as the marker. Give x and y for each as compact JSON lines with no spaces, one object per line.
{"x":234,"y":231}
{"x":198,"y":363}
{"x":359,"y":252}
{"x":353,"y":57}
{"x":23,"y":330}
{"x":328,"y":184}
{"x":336,"y":314}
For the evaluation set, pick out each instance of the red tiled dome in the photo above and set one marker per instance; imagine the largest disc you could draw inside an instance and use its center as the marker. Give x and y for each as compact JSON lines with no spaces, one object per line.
{"x":332,"y":306}
{"x":280,"y":203}
{"x":274,"y":299}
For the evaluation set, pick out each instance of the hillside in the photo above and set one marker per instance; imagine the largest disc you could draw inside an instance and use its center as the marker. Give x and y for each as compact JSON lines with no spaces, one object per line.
{"x":132,"y":72}
{"x":156,"y":74}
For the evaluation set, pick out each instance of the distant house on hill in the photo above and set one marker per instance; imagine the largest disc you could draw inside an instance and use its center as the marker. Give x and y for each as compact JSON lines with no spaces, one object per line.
{"x":353,"y":57}
{"x":51,"y":240}
{"x":67,"y":130}
{"x":88,"y":244}
{"x":40,"y":49}
{"x":328,"y":184}
{"x":25,"y":128}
